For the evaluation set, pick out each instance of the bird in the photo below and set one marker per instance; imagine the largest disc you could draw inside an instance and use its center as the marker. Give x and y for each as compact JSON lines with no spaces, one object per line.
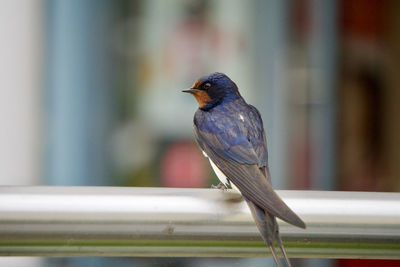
{"x":231,"y":135}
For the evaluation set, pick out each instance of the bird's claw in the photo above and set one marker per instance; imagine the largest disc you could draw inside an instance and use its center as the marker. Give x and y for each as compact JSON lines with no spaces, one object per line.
{"x":220,"y":186}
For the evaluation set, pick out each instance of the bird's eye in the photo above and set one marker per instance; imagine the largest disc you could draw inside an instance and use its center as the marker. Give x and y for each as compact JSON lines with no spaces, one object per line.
{"x":206,"y":85}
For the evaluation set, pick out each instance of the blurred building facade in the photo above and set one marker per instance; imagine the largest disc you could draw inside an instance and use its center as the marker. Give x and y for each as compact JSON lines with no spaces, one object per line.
{"x":92,"y":93}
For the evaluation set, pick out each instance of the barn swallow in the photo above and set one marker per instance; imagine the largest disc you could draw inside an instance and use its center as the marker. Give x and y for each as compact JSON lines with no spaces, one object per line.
{"x":230,"y":133}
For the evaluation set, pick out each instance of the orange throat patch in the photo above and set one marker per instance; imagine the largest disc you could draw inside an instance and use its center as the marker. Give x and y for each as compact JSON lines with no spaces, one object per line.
{"x":202,"y":98}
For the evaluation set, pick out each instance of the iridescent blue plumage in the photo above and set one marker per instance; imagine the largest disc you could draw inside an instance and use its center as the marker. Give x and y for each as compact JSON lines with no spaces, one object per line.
{"x":231,"y":133}
{"x":224,"y":90}
{"x":234,"y":129}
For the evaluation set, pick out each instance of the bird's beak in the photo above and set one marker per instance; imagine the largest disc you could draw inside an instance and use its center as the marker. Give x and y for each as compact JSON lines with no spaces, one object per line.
{"x":191,"y":90}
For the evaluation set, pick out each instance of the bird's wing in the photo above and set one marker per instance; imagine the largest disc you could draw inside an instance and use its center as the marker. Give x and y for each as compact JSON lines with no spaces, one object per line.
{"x":257,"y":136}
{"x":241,"y":141}
{"x":234,"y":154}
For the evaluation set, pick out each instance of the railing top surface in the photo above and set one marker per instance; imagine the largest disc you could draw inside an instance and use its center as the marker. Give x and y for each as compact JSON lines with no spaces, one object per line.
{"x":122,"y":221}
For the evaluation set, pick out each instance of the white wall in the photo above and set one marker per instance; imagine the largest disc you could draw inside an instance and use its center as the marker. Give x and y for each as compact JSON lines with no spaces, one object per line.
{"x":21,"y":36}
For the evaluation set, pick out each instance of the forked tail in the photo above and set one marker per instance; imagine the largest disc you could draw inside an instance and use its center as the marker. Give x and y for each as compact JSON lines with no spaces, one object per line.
{"x":269,"y":229}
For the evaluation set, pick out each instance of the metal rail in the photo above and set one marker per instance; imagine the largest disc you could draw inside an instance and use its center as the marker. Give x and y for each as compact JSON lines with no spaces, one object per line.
{"x":112,"y":221}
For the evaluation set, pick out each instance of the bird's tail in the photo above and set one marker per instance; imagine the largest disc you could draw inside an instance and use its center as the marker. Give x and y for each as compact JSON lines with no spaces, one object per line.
{"x":269,"y":229}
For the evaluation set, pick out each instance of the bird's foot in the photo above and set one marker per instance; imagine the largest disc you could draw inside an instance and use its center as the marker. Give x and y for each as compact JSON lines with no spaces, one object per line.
{"x":220,"y":186}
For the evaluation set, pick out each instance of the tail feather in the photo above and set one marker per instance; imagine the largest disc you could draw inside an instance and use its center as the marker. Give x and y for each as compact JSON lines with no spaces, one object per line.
{"x":269,"y":229}
{"x":274,"y":255}
{"x":280,"y":244}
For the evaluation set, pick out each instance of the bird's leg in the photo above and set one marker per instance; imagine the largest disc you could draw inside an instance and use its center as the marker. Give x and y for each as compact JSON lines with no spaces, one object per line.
{"x":220,"y":186}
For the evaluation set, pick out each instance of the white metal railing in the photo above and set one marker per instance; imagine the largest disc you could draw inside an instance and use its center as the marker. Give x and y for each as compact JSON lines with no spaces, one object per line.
{"x":116,"y":221}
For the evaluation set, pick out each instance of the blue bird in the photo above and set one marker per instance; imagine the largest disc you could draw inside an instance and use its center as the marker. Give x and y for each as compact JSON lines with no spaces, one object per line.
{"x":230,"y":133}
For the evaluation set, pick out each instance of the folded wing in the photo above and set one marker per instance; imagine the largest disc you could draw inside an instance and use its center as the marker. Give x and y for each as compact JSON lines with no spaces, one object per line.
{"x":240,"y":161}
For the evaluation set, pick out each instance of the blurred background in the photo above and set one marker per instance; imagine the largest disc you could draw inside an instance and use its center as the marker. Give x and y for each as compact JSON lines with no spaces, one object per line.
{"x":91,"y":95}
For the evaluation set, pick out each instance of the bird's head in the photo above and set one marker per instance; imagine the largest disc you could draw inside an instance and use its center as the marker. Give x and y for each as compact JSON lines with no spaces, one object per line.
{"x":213,"y":89}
